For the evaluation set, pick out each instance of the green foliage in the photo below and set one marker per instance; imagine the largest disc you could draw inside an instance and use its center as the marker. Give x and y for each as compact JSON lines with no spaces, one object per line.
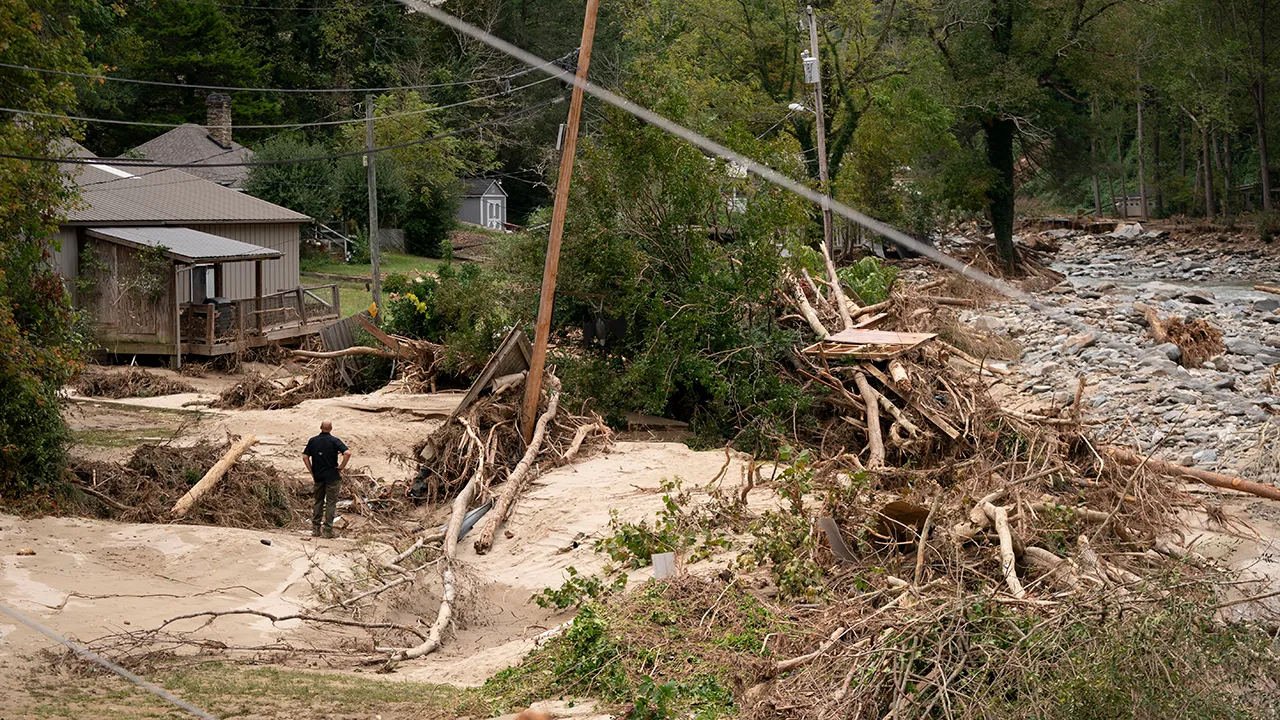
{"x":461,"y":308}
{"x":674,"y":530}
{"x":41,"y":336}
{"x":578,"y":590}
{"x":653,"y":702}
{"x":149,"y":281}
{"x":306,"y":187}
{"x":784,"y":540}
{"x":870,"y":278}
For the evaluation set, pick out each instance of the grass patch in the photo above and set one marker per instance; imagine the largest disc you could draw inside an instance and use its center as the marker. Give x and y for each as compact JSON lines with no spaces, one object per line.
{"x":354,"y":297}
{"x":390,"y":263}
{"x":119,"y":438}
{"x":228,"y":690}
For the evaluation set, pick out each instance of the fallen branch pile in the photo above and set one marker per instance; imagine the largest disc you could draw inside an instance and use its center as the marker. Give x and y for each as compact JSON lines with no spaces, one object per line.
{"x":250,"y":493}
{"x":130,"y":383}
{"x":256,"y":392}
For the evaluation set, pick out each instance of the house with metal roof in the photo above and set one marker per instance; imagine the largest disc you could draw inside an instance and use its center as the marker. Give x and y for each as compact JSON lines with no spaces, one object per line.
{"x":168,"y":263}
{"x":205,"y":149}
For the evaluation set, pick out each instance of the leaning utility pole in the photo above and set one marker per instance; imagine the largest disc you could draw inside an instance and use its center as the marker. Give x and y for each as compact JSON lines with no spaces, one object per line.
{"x":533,"y":382}
{"x":372,"y":173}
{"x":813,"y":76}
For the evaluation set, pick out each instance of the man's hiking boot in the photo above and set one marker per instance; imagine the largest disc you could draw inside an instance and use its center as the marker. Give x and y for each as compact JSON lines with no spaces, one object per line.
{"x":328,"y":532}
{"x":315,"y":531}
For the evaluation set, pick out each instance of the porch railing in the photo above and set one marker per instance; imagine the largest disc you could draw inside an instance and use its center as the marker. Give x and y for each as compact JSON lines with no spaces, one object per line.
{"x":301,"y":308}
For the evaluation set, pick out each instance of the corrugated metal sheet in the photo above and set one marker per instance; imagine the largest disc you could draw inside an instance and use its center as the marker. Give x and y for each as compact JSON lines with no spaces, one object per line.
{"x":187,"y":245}
{"x":131,"y":195}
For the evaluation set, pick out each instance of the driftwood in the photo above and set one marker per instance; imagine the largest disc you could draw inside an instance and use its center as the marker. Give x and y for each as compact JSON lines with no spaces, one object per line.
{"x":211,"y":478}
{"x":580,"y":435}
{"x":449,"y":552}
{"x":356,"y":350}
{"x":1208,"y":478}
{"x":516,"y":481}
{"x":810,"y":315}
{"x":875,"y":443}
{"x":842,"y":303}
{"x":953,"y":301}
{"x":999,"y":516}
{"x":1158,"y":330}
{"x":1267,"y":289}
{"x":898,"y":372}
{"x":997,"y":369}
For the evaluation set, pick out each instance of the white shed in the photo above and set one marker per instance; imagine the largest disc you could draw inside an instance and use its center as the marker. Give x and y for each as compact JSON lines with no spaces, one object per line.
{"x":484,"y":203}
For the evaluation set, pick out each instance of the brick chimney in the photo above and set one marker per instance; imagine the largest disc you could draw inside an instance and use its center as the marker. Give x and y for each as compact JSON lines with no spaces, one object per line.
{"x":219,"y":106}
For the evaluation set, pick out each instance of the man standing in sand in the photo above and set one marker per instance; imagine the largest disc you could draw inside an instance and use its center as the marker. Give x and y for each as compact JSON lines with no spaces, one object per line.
{"x":326,"y":457}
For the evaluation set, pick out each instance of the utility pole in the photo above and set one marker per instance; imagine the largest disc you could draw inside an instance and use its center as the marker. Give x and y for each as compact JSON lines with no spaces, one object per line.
{"x":372,"y":173}
{"x":813,"y":76}
{"x":542,"y":333}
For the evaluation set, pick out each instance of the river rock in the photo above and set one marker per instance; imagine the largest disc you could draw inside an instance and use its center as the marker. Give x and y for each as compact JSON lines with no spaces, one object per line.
{"x":1199,"y":297}
{"x":1266,"y":305}
{"x":1242,"y":346}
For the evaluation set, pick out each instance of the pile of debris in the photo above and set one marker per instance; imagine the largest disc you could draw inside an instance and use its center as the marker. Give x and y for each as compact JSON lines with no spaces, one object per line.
{"x":257,"y":392}
{"x":131,"y":383}
{"x":148,"y":487}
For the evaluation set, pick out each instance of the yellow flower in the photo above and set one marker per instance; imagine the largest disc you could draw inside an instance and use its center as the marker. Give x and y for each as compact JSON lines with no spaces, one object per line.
{"x":373,"y":309}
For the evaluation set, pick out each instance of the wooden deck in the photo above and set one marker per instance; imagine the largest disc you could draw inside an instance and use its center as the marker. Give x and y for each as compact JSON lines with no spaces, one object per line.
{"x":209,"y":329}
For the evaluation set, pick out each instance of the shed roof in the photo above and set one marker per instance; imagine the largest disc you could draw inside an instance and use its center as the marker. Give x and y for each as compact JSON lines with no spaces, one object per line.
{"x":134,"y":195}
{"x":479,"y":187}
{"x":191,"y":144}
{"x":186,"y":245}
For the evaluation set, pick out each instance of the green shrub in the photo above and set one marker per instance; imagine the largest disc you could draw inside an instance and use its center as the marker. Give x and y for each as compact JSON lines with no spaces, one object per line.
{"x":461,"y":308}
{"x":870,"y":278}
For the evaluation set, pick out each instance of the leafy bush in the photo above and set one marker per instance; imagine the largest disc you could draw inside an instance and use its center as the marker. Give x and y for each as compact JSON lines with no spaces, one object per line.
{"x":578,"y":590}
{"x":870,"y":278}
{"x":461,"y":308}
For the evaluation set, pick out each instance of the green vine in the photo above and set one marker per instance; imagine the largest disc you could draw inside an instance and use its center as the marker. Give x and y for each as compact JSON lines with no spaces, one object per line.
{"x":89,"y":277}
{"x":151,"y":278}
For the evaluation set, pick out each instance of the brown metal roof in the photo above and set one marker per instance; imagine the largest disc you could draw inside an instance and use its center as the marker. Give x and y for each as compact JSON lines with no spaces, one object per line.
{"x":186,"y":245}
{"x":136,"y":195}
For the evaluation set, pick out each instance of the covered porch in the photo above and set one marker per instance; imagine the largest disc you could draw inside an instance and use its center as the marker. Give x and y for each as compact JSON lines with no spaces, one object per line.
{"x":192,"y":319}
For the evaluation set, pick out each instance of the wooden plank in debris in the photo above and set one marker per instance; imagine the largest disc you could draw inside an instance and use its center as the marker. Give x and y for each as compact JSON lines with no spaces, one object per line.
{"x":377,"y":333}
{"x":929,"y":415}
{"x":868,"y":344}
{"x":870,"y":321}
{"x":512,"y":356}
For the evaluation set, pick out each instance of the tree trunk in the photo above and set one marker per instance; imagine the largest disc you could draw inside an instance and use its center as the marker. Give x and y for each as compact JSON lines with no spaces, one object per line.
{"x":1124,"y":187}
{"x":1207,"y":163}
{"x":1142,"y":169}
{"x":1155,"y":164}
{"x":1093,"y":159}
{"x":1111,"y":193}
{"x":1260,"y":120}
{"x":1226,"y":175}
{"x":1000,"y":197}
{"x":1182,"y":155}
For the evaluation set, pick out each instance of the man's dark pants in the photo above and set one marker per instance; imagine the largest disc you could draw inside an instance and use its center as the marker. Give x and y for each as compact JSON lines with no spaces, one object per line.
{"x":326,"y":502}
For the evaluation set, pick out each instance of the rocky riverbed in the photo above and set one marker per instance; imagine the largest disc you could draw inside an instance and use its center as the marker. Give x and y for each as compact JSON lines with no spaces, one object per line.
{"x":1221,"y":415}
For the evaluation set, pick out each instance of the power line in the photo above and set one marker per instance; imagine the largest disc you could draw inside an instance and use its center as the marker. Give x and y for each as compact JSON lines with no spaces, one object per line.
{"x":283,"y":126}
{"x":326,"y":8}
{"x":232,"y":88}
{"x":159,"y":167}
{"x":86,"y":654}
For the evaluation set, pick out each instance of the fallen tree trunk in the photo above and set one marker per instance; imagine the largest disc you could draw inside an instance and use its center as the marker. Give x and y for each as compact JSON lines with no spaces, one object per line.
{"x":357,"y":350}
{"x":515,"y":483}
{"x":580,"y":435}
{"x":810,"y":315}
{"x":842,"y":303}
{"x":1208,"y":478}
{"x":211,"y":478}
{"x":1267,"y":289}
{"x":1159,"y":332}
{"x":875,"y":443}
{"x":449,"y":552}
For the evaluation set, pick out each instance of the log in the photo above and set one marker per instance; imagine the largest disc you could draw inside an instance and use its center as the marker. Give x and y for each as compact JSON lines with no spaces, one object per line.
{"x":507,"y":381}
{"x":1267,"y":289}
{"x":810,"y":315}
{"x":813,"y":287}
{"x":933,"y":417}
{"x":997,"y":369}
{"x":1056,"y":569}
{"x":211,"y":478}
{"x":842,"y":303}
{"x":952,"y":301}
{"x":347,"y":352}
{"x":516,"y":481}
{"x":898,"y":416}
{"x":870,"y":309}
{"x":875,"y":443}
{"x":898,"y":372}
{"x":999,"y":516}
{"x":1219,"y":480}
{"x":450,"y":551}
{"x":792,"y":663}
{"x":1158,"y":330}
{"x":580,"y":435}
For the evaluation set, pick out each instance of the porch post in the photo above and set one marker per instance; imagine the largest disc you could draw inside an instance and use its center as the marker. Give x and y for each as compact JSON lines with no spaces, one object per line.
{"x":175,"y":306}
{"x":257,"y":294}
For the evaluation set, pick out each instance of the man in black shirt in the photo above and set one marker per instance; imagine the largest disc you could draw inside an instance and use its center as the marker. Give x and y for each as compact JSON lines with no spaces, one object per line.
{"x":326,"y":456}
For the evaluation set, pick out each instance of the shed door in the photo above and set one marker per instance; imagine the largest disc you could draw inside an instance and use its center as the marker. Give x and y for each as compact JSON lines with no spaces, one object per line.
{"x":492,"y":213}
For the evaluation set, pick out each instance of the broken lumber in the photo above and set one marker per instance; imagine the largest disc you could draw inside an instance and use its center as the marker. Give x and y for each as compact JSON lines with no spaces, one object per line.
{"x":1219,"y":480}
{"x":515,"y":483}
{"x":377,"y":333}
{"x":898,"y":372}
{"x":1267,"y":289}
{"x":875,"y":443}
{"x":211,"y":478}
{"x":933,"y":417}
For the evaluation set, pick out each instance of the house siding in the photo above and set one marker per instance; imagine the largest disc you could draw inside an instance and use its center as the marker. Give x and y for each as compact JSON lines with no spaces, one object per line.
{"x":472,"y":209}
{"x":66,"y":254}
{"x":238,"y":277}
